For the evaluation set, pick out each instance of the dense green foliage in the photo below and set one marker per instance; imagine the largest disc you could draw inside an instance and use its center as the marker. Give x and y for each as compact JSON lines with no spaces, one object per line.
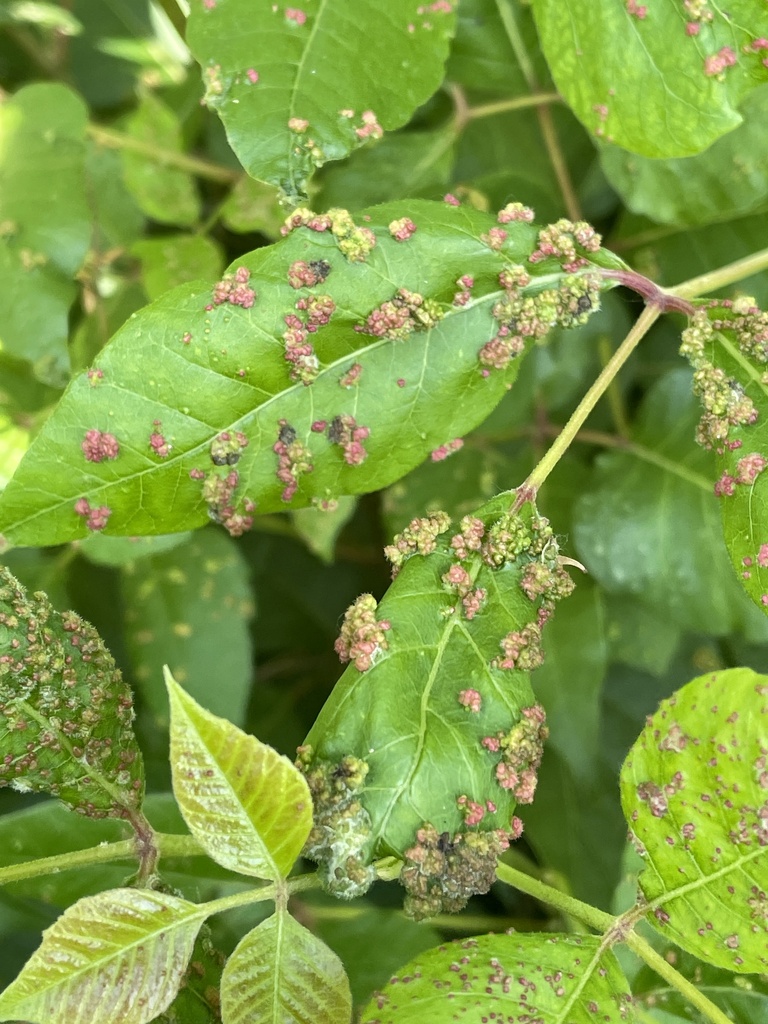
{"x":424,"y":338}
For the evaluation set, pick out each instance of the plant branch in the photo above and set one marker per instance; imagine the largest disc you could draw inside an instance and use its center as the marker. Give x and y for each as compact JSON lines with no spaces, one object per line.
{"x":164,"y":844}
{"x":566,"y":904}
{"x":536,"y":99}
{"x":567,"y":435}
{"x":167,"y":157}
{"x":175,"y":15}
{"x":263,"y":893}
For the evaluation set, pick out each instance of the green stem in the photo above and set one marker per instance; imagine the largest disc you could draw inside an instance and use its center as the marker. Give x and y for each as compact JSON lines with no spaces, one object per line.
{"x":614,"y":930}
{"x":536,"y":99}
{"x":714,"y":280}
{"x":263,"y":893}
{"x":167,"y":845}
{"x":566,"y":436}
{"x":615,"y":398}
{"x":569,"y":905}
{"x":166,"y":157}
{"x":666,"y":971}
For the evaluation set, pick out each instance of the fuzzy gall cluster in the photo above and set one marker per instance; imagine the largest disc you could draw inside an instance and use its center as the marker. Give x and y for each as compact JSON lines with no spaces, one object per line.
{"x":354,"y":242}
{"x":234,"y":288}
{"x":418,"y":538}
{"x":399,"y":317}
{"x":521,"y":750}
{"x":293,"y":459}
{"x":341,"y":832}
{"x":362,"y":635}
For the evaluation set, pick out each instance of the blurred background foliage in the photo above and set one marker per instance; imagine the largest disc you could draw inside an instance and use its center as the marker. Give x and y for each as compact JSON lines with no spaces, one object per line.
{"x":149,"y":195}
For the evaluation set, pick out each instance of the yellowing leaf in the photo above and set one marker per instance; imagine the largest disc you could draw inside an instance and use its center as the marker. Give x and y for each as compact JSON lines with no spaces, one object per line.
{"x":247,"y":805}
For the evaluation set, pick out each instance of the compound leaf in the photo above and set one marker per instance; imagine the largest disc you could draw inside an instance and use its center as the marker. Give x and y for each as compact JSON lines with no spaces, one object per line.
{"x":396,"y":357}
{"x":280,"y":973}
{"x":247,"y":806}
{"x":289,"y":84}
{"x":661,"y":79}
{"x":433,"y":729}
{"x":553,"y":978}
{"x":65,"y":714}
{"x":117,"y":956}
{"x":693,"y":789}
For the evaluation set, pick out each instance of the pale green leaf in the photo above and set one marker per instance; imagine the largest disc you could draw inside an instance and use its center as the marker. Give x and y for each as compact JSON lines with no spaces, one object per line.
{"x":165,"y":193}
{"x":635,"y":75}
{"x":291,"y":88}
{"x":552,"y":979}
{"x":320,"y":528}
{"x":727,"y":180}
{"x":246,"y":805}
{"x":280,"y":973}
{"x":119,"y":956}
{"x":177,"y":259}
{"x":694,"y":791}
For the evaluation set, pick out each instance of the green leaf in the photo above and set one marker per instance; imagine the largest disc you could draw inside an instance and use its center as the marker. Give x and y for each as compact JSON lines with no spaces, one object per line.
{"x":727,"y":348}
{"x":639,"y":75}
{"x":65,"y":725}
{"x":640,"y":637}
{"x":118,"y":221}
{"x":433,"y":729}
{"x":210,"y":369}
{"x":176,"y":259}
{"x":246,"y":805}
{"x":280,"y":973}
{"x":120,"y":551}
{"x":552,"y":979}
{"x":165,"y":193}
{"x":253,"y":206}
{"x":289,"y":86}
{"x":44,"y":222}
{"x":116,"y":956}
{"x":728,"y":180}
{"x":693,"y":789}
{"x":648,"y":525}
{"x":189,"y":608}
{"x":482,"y":56}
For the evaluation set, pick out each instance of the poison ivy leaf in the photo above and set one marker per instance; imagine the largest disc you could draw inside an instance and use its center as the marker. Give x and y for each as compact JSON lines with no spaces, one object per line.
{"x":44,"y":222}
{"x":247,"y":806}
{"x":165,"y":193}
{"x":660,"y":79}
{"x":693,"y":789}
{"x":648,"y":525}
{"x":176,"y":259}
{"x":289,"y":86}
{"x":433,"y":728}
{"x":176,"y":603}
{"x":149,"y":445}
{"x":280,"y":973}
{"x":728,"y":348}
{"x":116,"y":956}
{"x":729,"y":179}
{"x":554,"y":978}
{"x":65,"y":725}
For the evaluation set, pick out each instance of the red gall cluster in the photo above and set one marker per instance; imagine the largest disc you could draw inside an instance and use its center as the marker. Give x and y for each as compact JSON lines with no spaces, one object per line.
{"x":352,"y":376}
{"x":227,"y":447}
{"x":521,"y":649}
{"x":560,"y":240}
{"x":362,"y":637}
{"x":234,"y":289}
{"x":370,"y":128}
{"x":344,"y":431}
{"x":354,"y":242}
{"x":299,"y":351}
{"x":474,"y":812}
{"x":94,"y":376}
{"x":459,"y":580}
{"x":401,"y":230}
{"x":219,"y":496}
{"x":469,"y":538}
{"x":716,"y":63}
{"x":418,"y":538}
{"x":637,"y":10}
{"x":494,"y":238}
{"x":747,"y":471}
{"x":95,"y":518}
{"x":296,"y":15}
{"x":398,"y":317}
{"x":515,"y":211}
{"x":521,"y":749}
{"x":466,"y":283}
{"x":302,"y":274}
{"x":442,"y":453}
{"x":97,"y":446}
{"x":471,"y":700}
{"x":293,"y":459}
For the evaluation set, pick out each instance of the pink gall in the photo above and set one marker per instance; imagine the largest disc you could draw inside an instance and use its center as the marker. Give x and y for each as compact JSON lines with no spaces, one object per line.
{"x":471,"y":700}
{"x":98,"y":446}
